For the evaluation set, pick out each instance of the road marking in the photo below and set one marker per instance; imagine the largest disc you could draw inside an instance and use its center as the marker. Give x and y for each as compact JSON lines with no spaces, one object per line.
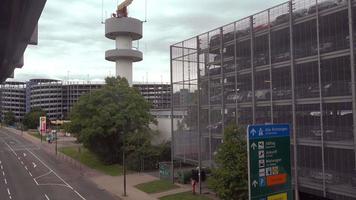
{"x":30,"y":174}
{"x":10,"y":197}
{"x":29,"y":151}
{"x":22,"y":162}
{"x":1,"y":167}
{"x":8,"y":191}
{"x":46,"y":197}
{"x":24,"y":154}
{"x":26,"y":167}
{"x":34,"y":165}
{"x":3,"y":173}
{"x":5,"y":181}
{"x":19,"y":158}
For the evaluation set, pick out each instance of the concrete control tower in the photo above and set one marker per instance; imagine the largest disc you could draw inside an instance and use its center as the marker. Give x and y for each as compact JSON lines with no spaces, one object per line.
{"x":124,"y":30}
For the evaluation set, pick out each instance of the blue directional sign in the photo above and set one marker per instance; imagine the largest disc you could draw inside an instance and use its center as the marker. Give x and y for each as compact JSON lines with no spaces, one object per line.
{"x":269,"y":162}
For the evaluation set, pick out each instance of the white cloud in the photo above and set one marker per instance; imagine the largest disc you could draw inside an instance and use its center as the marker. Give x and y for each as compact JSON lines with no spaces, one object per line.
{"x":71,"y":37}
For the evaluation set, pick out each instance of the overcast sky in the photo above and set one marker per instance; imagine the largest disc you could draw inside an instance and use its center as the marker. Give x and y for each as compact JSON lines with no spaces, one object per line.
{"x":72,"y":41}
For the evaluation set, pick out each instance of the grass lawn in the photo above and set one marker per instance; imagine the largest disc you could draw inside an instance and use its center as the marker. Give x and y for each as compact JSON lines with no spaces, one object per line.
{"x":89,"y":159}
{"x":184,"y":196}
{"x":156,"y":186}
{"x":37,"y":135}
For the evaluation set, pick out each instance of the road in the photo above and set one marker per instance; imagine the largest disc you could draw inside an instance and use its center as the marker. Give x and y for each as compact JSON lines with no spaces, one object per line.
{"x":29,"y":173}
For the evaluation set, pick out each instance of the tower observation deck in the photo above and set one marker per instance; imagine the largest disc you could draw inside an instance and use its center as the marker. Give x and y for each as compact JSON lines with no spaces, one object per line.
{"x":124,"y":30}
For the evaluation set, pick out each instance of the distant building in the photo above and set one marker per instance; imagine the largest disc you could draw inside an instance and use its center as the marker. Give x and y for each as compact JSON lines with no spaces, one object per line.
{"x":12,"y":98}
{"x":57,"y":98}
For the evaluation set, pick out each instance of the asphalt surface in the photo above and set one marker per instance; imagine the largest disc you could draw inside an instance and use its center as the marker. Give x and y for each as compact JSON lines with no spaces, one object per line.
{"x":29,"y":173}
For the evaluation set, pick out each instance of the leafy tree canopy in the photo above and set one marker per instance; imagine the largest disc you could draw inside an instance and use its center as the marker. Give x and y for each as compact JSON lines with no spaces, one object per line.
{"x":101,"y":118}
{"x":230,"y":179}
{"x":9,"y":118}
{"x":31,"y":120}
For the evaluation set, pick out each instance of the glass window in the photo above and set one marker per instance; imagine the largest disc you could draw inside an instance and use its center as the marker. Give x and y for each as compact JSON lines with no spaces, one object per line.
{"x":305,"y":39}
{"x":263,"y":114}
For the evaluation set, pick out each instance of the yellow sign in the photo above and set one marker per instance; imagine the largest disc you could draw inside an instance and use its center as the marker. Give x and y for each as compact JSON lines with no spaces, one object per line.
{"x":282,"y":196}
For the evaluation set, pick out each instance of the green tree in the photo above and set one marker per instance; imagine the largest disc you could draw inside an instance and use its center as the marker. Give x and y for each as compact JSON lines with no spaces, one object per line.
{"x":31,"y":119}
{"x":9,"y":118}
{"x":230,"y":178}
{"x":100,"y":119}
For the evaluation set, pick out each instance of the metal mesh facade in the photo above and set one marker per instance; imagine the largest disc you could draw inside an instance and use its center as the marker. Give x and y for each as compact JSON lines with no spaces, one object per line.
{"x":292,"y":63}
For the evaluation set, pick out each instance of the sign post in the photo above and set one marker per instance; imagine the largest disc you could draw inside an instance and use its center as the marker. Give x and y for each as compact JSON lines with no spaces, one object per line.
{"x":269,"y":164}
{"x":43,"y":126}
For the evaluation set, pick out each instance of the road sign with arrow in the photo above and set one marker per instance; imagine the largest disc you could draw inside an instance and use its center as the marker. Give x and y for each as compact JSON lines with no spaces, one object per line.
{"x":269,"y":162}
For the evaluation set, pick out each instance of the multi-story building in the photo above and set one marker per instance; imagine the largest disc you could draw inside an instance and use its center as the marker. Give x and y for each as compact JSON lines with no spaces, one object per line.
{"x":12,"y":99}
{"x":158,"y":94}
{"x":45,"y":94}
{"x":292,"y":63}
{"x":57,"y":97}
{"x":71,"y":91}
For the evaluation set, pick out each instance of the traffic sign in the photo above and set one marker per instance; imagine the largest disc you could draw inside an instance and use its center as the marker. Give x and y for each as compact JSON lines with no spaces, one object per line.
{"x":269,"y":162}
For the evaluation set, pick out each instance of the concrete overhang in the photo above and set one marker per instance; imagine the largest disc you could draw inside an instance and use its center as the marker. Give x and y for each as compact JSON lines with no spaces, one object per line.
{"x":18,"y":21}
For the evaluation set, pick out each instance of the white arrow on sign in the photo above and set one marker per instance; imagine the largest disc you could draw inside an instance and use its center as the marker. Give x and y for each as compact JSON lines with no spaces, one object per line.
{"x":253,"y":146}
{"x":254,"y":183}
{"x":34,"y":165}
{"x":253,"y":132}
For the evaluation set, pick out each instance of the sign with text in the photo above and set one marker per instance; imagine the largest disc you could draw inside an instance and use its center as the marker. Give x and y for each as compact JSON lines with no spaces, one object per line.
{"x":269,"y":162}
{"x":43,"y":124}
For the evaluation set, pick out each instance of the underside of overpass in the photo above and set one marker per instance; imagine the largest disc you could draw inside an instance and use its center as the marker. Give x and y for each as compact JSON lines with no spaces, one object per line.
{"x":18,"y":28}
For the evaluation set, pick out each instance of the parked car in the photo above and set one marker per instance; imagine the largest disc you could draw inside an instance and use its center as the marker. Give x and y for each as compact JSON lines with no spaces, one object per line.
{"x":263,"y":94}
{"x":324,"y":47}
{"x":322,"y":6}
{"x":328,"y":176}
{"x":281,"y":56}
{"x":285,"y":17}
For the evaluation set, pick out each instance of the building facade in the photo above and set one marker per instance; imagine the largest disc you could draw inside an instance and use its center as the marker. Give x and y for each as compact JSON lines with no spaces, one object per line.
{"x":158,"y":94}
{"x":12,"y":98}
{"x":57,"y":97}
{"x":292,"y":63}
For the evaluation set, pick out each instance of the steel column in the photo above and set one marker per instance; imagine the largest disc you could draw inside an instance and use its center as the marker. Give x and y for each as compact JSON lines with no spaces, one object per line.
{"x":291,"y":45}
{"x":352,"y":65}
{"x":198,"y":114}
{"x":236,"y":76}
{"x":270,"y":64}
{"x":252,"y":72}
{"x":172,"y":116}
{"x":320,"y":98}
{"x":222,"y":80}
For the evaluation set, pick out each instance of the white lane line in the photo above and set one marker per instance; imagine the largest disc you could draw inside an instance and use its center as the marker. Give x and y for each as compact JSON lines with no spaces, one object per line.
{"x":34,"y":165}
{"x":3,"y":173}
{"x":8,"y":191}
{"x":0,"y":161}
{"x":79,"y":194}
{"x":26,"y":167}
{"x":30,"y":174}
{"x":19,"y":158}
{"x":24,"y":154}
{"x":21,"y":162}
{"x":35,"y":181}
{"x":10,"y":197}
{"x":12,"y":150}
{"x":5,"y":181}
{"x":47,"y":197}
{"x":1,"y":167}
{"x":56,"y":174}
